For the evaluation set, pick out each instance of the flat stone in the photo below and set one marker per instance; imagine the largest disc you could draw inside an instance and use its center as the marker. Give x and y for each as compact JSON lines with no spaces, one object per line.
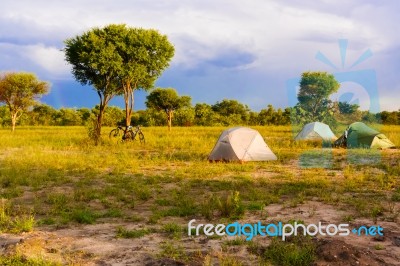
{"x":9,"y":241}
{"x":379,"y":238}
{"x":396,"y":241}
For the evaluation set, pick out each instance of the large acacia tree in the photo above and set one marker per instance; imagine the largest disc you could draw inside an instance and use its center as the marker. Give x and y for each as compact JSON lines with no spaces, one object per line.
{"x":116,"y":60}
{"x":145,"y":54}
{"x":19,"y":91}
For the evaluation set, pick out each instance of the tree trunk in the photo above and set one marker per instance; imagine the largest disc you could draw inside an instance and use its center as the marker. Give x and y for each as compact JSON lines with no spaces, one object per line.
{"x":128,"y":97}
{"x":99,"y":123}
{"x":13,"y":121}
{"x":170,"y":114}
{"x":127,"y":116}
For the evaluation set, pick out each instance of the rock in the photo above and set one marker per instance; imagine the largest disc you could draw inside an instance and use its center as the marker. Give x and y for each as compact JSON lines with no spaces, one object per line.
{"x":6,"y":242}
{"x":379,"y":238}
{"x":396,"y":241}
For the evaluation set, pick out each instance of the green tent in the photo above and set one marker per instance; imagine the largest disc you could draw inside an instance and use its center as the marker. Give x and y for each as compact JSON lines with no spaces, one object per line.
{"x":359,"y":135}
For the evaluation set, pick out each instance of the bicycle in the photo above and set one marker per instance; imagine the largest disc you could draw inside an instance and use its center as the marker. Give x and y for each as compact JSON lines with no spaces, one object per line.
{"x":127,"y":134}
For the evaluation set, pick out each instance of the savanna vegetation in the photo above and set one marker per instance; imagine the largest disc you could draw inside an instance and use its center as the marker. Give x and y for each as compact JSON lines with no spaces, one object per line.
{"x":200,"y":114}
{"x":58,"y":190}
{"x":52,"y":178}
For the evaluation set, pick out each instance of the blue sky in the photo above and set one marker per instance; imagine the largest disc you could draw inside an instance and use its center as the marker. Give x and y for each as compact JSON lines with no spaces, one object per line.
{"x":244,"y":50}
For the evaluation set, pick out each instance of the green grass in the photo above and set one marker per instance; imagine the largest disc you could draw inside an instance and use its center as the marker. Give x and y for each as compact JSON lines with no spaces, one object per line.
{"x":82,"y":216}
{"x":14,"y":224}
{"x":138,"y":233}
{"x":56,"y":176}
{"x":173,"y":251}
{"x":299,"y":251}
{"x":19,"y":260}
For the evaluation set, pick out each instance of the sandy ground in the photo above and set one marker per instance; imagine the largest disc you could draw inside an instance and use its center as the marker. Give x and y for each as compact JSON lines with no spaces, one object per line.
{"x":97,"y":244}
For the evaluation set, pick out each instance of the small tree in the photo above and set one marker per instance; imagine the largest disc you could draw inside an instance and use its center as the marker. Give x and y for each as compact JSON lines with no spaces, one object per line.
{"x":168,"y":101}
{"x":347,"y":108}
{"x":266,"y":116}
{"x":313,"y":96}
{"x":43,"y":115}
{"x":237,"y":111}
{"x":203,"y":114}
{"x":19,"y":91}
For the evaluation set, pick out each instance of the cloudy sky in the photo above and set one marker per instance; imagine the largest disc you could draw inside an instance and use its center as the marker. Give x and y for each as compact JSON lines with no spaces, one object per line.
{"x":253,"y":51}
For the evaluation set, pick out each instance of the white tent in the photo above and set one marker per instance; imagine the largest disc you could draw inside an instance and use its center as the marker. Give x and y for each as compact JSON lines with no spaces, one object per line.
{"x":241,"y":144}
{"x":316,"y":131}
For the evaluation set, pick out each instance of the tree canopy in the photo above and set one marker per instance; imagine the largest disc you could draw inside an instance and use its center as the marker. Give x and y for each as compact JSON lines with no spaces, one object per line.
{"x":116,"y":60}
{"x":233,"y":110}
{"x":95,"y":62}
{"x":313,"y":96}
{"x":347,"y":108}
{"x":199,"y":115}
{"x":19,"y":91}
{"x":145,"y":54}
{"x":168,"y":101}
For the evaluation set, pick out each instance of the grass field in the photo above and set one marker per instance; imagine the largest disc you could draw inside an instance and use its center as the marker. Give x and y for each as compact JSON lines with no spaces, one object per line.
{"x":54,"y":184}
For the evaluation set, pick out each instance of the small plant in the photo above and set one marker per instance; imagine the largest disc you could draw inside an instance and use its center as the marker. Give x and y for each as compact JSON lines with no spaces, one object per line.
{"x":144,"y":193}
{"x":24,"y":223}
{"x":312,"y":210}
{"x":208,"y":207}
{"x":183,"y":204}
{"x":19,"y":260}
{"x":207,"y":260}
{"x":238,"y":241}
{"x":173,"y":229}
{"x":125,"y":233}
{"x":154,"y":218}
{"x":58,"y":201}
{"x":396,"y":196}
{"x":391,"y":206}
{"x":18,"y":224}
{"x":47,"y":221}
{"x":255,"y":206}
{"x":113,"y":212}
{"x":173,"y":251}
{"x":231,"y":206}
{"x":227,"y":260}
{"x":299,"y":251}
{"x":348,"y":218}
{"x":5,"y":219}
{"x":379,"y":247}
{"x":83,"y":216}
{"x":254,"y":248}
{"x":163,"y":202}
{"x":376,"y":212}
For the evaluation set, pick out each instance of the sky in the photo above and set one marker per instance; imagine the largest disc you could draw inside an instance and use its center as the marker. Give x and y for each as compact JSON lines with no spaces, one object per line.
{"x":252,"y":51}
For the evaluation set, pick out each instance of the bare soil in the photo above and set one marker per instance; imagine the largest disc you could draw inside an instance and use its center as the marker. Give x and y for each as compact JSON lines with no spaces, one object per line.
{"x":98,"y":245}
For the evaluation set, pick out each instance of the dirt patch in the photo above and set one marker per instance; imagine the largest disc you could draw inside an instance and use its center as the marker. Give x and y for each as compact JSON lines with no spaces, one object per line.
{"x":338,"y":252}
{"x":98,"y":245}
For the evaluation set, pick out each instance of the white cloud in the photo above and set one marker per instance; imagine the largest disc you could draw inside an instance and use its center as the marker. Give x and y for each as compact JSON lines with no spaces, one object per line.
{"x":50,"y":59}
{"x":280,"y":36}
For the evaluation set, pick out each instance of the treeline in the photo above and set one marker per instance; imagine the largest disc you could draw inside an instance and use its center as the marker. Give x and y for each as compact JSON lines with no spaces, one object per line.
{"x":224,"y":113}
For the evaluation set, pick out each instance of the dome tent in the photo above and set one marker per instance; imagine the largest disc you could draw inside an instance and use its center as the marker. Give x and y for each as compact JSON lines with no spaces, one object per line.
{"x":316,"y":131}
{"x":241,"y":144}
{"x":359,"y":135}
